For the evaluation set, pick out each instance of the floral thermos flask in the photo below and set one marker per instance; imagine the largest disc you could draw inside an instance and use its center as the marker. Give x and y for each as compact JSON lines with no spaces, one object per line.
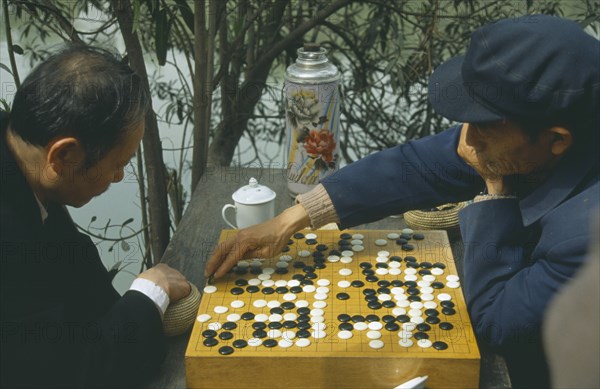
{"x":312,"y":102}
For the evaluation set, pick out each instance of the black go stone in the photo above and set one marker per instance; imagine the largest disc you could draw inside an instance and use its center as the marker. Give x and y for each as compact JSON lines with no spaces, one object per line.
{"x":236,"y":291}
{"x":289,"y":324}
{"x":423,"y":327}
{"x":303,"y":311}
{"x":346,"y":248}
{"x":395,"y":258}
{"x":268,"y":290}
{"x":256,"y":270}
{"x":335,"y":252}
{"x":358,"y":318}
{"x":252,"y":289}
{"x":344,"y":242}
{"x":420,"y":335}
{"x":290,"y":242}
{"x":365,"y":265}
{"x":317,"y":255}
{"x":288,"y":305}
{"x":357,"y":283}
{"x":426,"y":265}
{"x":371,"y":297}
{"x":446,"y":326}
{"x":431,"y":312}
{"x":388,"y":304}
{"x":439,"y":265}
{"x":304,"y":325}
{"x":275,"y":325}
{"x":424,"y":272}
{"x":282,"y":290}
{"x":346,"y":326}
{"x":418,"y":236}
{"x":388,"y":319}
{"x":383,"y":283}
{"x":311,"y":241}
{"x":345,"y":235}
{"x":240,"y":343}
{"x":381,"y":265}
{"x":248,"y":316}
{"x":241,"y":282}
{"x":448,"y":311}
{"x":225,"y":335}
{"x":298,"y":235}
{"x":296,"y":289}
{"x":210,"y":342}
{"x":285,"y":249}
{"x":299,"y":265}
{"x":342,"y":296}
{"x":432,"y":319}
{"x":372,"y":278}
{"x":397,"y":283}
{"x":369,"y":291}
{"x":259,"y":325}
{"x":403,"y":318}
{"x":439,"y":345}
{"x":321,"y":247}
{"x":447,"y":304}
{"x":302,"y":334}
{"x":401,"y":242}
{"x":368,"y":272}
{"x":229,"y":325}
{"x":259,"y":334}
{"x":383,"y":290}
{"x":240,"y":271}
{"x":308,"y":269}
{"x":226,"y":350}
{"x":311,"y":276}
{"x":303,"y":318}
{"x":209,"y":333}
{"x":437,"y":285}
{"x":410,"y":284}
{"x":372,"y":318}
{"x":414,"y":265}
{"x":276,"y":311}
{"x":412,"y":291}
{"x":413,"y":298}
{"x":306,"y":281}
{"x":374,"y":305}
{"x":392,"y":326}
{"x":281,"y":270}
{"x":343,"y":317}
{"x":320,"y":266}
{"x":406,"y":236}
{"x":270,"y":343}
{"x":410,"y":258}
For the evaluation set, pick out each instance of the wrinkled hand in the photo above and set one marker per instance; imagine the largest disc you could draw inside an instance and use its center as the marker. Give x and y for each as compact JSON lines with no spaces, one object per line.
{"x":260,"y":241}
{"x":172,"y":281}
{"x":495,"y":183}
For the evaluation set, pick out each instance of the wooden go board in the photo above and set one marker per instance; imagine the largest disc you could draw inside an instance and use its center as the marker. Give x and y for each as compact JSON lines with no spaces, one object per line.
{"x":351,"y":309}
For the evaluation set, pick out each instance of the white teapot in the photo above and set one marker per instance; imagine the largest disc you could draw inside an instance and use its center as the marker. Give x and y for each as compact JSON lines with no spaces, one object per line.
{"x":254,"y":204}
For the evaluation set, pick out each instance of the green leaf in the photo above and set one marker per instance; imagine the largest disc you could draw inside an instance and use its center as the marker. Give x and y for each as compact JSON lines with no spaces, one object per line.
{"x":161,"y":36}
{"x":126,"y":222}
{"x":136,"y":15}
{"x":93,"y":219}
{"x":3,"y":66}
{"x":17,"y":49}
{"x":186,"y":13}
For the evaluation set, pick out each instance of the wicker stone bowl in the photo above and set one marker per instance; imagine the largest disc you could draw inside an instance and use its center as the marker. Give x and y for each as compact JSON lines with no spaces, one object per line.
{"x":180,"y":315}
{"x":443,"y":217}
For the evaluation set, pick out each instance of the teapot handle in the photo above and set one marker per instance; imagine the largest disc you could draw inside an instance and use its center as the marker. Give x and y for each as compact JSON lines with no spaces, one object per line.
{"x":225,"y":217}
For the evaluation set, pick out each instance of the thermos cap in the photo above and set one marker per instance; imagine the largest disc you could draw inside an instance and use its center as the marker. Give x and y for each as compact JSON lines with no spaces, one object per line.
{"x":253,"y":193}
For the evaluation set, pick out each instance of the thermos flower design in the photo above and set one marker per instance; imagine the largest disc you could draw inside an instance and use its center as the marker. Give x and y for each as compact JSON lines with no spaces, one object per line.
{"x":320,"y":144}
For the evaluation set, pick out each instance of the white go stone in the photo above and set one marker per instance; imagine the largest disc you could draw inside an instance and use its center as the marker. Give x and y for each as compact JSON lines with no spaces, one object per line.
{"x":318,"y":334}
{"x":428,"y":278}
{"x":383,"y":253}
{"x":311,"y":236}
{"x":286,"y":258}
{"x":381,"y":271}
{"x":289,"y":335}
{"x":259,"y":303}
{"x":275,"y":317}
{"x":254,"y":342}
{"x":423,"y":283}
{"x":393,"y":236}
{"x":215,"y":326}
{"x":430,"y":304}
{"x":375,"y":325}
{"x":408,"y":231}
{"x":293,"y":283}
{"x":233,"y":317}
{"x":264,"y":276}
{"x":254,"y":281}
{"x":410,"y":270}
{"x":321,"y":296}
{"x":426,"y":297}
{"x":344,"y":284}
{"x":381,"y":259}
{"x":243,"y":264}
{"x":285,"y":343}
{"x":376,"y":344}
{"x":333,"y":258}
{"x":261,"y":317}
{"x":410,"y":277}
{"x":289,"y":297}
{"x":397,"y":290}
{"x":221,"y":309}
{"x":356,"y":241}
{"x":268,"y":283}
{"x":317,"y":312}
{"x":417,"y":319}
{"x":282,"y":265}
{"x":274,"y":333}
{"x":301,"y":304}
{"x":346,"y":259}
{"x":358,"y":236}
{"x":322,"y":289}
{"x":436,"y":271}
{"x":318,"y":304}
{"x":394,"y":264}
{"x":358,"y":248}
{"x":385,"y":297}
{"x":256,"y":264}
{"x":323,"y":282}
{"x":345,"y":272}
{"x":373,"y":334}
{"x":203,"y":318}
{"x":395,"y":271}
{"x":452,"y":278}
{"x":380,"y":242}
{"x":309,"y":288}
{"x":347,"y":253}
{"x":453,"y":284}
{"x":273,"y":304}
{"x":319,"y":326}
{"x":414,"y":312}
{"x":303,"y":342}
{"x":361,"y":326}
{"x":210,"y":289}
{"x":317,"y":319}
{"x":408,"y":327}
{"x":405,"y":334}
{"x":416,"y":305}
{"x":290,"y":316}
{"x":268,"y":270}
{"x":444,"y":297}
{"x":344,"y":334}
{"x":237,"y":304}
{"x":303,"y":253}
{"x":399,"y":311}
{"x":424,"y":343}
{"x":405,"y":343}
{"x":427,"y":289}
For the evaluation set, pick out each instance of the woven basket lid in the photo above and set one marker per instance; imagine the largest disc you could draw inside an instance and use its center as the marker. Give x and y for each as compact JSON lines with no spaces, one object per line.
{"x":442,"y":219}
{"x":180,"y":315}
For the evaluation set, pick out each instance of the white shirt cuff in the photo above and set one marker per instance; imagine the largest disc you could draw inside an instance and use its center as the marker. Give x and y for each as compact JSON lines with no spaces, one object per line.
{"x":153,"y":291}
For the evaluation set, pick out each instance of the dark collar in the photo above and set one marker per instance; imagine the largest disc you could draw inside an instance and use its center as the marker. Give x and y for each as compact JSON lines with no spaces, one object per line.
{"x":566,"y":178}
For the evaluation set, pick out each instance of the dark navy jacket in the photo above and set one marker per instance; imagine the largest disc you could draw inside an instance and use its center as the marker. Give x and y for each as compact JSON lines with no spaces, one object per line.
{"x":62,"y":322}
{"x":518,"y":253}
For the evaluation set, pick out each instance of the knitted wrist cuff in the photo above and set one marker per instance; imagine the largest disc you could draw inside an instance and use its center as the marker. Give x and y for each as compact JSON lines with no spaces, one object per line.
{"x":319,"y":207}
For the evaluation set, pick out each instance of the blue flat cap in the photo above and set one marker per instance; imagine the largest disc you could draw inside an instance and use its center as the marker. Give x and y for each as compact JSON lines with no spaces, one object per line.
{"x":535,"y":67}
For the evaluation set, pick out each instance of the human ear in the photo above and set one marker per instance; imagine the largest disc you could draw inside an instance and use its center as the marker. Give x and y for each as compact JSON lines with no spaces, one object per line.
{"x":561,"y":140}
{"x":64,"y":155}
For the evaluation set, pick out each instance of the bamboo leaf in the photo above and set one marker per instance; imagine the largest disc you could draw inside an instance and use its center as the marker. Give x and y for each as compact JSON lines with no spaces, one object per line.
{"x":3,"y":66}
{"x":161,"y":36}
{"x":17,"y":49}
{"x":136,"y":15}
{"x":186,"y":13}
{"x":126,"y":222}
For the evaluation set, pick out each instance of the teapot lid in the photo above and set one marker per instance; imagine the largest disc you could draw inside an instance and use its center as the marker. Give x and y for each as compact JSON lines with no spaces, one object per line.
{"x":253,"y":193}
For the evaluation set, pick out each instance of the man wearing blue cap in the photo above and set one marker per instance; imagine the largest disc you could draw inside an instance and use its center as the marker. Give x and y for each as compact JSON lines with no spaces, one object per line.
{"x":528,"y":93}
